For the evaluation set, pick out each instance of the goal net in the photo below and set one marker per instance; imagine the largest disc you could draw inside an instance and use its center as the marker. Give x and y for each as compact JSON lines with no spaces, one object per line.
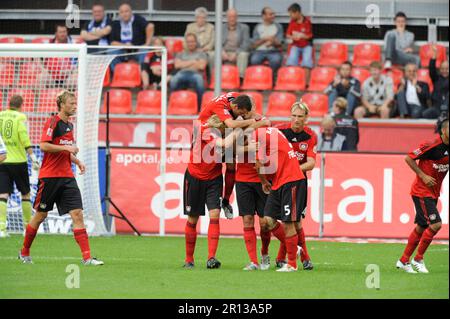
{"x":39,"y":73}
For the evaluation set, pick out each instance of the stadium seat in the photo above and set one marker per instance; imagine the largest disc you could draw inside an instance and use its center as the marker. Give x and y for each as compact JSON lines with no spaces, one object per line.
{"x":321,"y":77}
{"x":230,"y":77}
{"x":107,"y":78}
{"x":291,"y":78}
{"x":424,"y":76}
{"x":41,"y":40}
{"x":333,"y":54}
{"x":365,"y":53}
{"x":258,"y":77}
{"x":47,"y":100}
{"x":317,"y":103}
{"x":12,"y":40}
{"x":30,"y":74}
{"x":148,"y":102}
{"x":28,"y":98}
{"x":396,"y":75}
{"x":119,"y":102}
{"x":280,"y":104}
{"x":58,"y":67}
{"x":183,"y":102}
{"x":7,"y":73}
{"x":126,"y":75}
{"x":258,"y":99}
{"x":173,"y":45}
{"x":425,"y":53}
{"x":360,"y":74}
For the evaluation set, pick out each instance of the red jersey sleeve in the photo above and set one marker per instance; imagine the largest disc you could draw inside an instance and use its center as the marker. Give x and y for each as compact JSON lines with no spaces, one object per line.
{"x":47,"y":132}
{"x":222,"y":112}
{"x":312,"y":146}
{"x":421,"y":150}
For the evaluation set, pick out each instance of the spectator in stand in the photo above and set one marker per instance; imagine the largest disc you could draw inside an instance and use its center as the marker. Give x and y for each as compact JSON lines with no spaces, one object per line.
{"x":97,"y":30}
{"x":344,"y":85}
{"x":130,"y":30}
{"x":439,"y":97}
{"x":267,"y":41}
{"x":61,"y":35}
{"x":300,"y":32}
{"x":151,"y":68}
{"x":190,"y":66}
{"x":203,"y":30}
{"x":377,"y":94}
{"x":399,"y":43}
{"x":346,"y":125}
{"x":329,"y":139}
{"x":235,"y":42}
{"x":413,"y":95}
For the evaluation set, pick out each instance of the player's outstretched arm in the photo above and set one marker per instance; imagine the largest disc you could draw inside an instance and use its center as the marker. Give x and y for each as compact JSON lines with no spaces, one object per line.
{"x":52,"y":148}
{"x":428,"y":180}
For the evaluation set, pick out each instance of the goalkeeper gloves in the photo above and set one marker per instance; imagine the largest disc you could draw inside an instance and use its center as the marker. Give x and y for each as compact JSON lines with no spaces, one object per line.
{"x":35,"y":164}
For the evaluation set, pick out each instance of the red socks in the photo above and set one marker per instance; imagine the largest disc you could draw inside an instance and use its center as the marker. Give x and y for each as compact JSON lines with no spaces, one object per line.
{"x":413,"y":241}
{"x":302,"y":243}
{"x":190,"y":233}
{"x":213,"y":237}
{"x":291,"y":247}
{"x":425,"y":241}
{"x":81,"y":238}
{"x":229,"y":183}
{"x":30,"y":233}
{"x":278,"y":232}
{"x":250,"y":243}
{"x":265,"y":241}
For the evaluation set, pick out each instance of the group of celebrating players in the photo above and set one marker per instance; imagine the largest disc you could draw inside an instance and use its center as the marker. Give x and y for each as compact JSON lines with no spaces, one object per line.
{"x":267,"y":165}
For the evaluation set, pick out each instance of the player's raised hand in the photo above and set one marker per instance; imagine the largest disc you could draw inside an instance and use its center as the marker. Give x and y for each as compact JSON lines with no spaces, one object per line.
{"x":428,"y":180}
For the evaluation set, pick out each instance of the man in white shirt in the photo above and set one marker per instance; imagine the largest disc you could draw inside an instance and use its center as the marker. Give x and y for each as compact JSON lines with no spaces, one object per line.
{"x":413,"y":96}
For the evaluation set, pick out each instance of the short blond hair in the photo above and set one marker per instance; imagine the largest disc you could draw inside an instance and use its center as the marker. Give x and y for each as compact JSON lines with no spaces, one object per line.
{"x":341,"y":103}
{"x":62,"y":98}
{"x":300,"y":106}
{"x":215,"y":122}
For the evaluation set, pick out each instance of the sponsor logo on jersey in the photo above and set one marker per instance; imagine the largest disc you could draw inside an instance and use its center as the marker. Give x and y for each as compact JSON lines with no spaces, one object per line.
{"x":65,"y":142}
{"x":441,"y":168}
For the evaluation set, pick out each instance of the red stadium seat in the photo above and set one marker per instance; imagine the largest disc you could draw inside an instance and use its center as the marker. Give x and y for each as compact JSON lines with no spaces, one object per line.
{"x":174,"y":45}
{"x":280,"y":104}
{"x":183,"y":102}
{"x":47,"y":100}
{"x":30,"y":74}
{"x":366,"y":53}
{"x":396,"y":75}
{"x":148,"y":102}
{"x":119,"y":102}
{"x":424,"y":76}
{"x":258,"y":99}
{"x":107,"y":78}
{"x":360,"y":74}
{"x":28,"y":98}
{"x":321,"y":77}
{"x":291,"y":78}
{"x":333,"y":53}
{"x":317,"y":103}
{"x":59,"y":68}
{"x":258,"y":77}
{"x":425,"y":53}
{"x":7,"y":73}
{"x":230,"y":77}
{"x":126,"y":75}
{"x":41,"y":40}
{"x":12,"y":40}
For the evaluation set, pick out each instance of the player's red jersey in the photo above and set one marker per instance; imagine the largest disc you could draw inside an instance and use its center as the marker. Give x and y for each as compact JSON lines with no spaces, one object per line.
{"x":57,"y":132}
{"x":304,"y":143}
{"x":433,"y":161}
{"x":219,"y":106}
{"x":205,"y":159}
{"x":281,"y":157}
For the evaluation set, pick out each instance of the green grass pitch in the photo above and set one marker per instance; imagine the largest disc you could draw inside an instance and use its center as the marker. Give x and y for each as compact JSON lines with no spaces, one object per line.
{"x":150,"y":267}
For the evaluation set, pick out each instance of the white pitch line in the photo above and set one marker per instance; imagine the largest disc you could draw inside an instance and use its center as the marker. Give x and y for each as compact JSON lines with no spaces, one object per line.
{"x":69,"y":258}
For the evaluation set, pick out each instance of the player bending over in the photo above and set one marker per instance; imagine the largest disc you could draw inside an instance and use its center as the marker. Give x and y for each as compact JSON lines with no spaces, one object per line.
{"x":288,"y":192}
{"x":425,"y":191}
{"x":57,"y":183}
{"x":14,"y":169}
{"x":228,"y":107}
{"x":304,"y":141}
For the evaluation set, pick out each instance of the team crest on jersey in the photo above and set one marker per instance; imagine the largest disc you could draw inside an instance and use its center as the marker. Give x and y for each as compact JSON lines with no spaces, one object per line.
{"x":417,"y":152}
{"x":303,"y":146}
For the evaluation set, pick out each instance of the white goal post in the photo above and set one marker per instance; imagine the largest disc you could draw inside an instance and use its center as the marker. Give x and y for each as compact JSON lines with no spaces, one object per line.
{"x":38,"y":72}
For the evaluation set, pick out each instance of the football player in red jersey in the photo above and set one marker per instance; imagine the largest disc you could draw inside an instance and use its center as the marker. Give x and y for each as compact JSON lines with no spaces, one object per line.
{"x":276,"y":161}
{"x":304,"y":141}
{"x":203,"y":185}
{"x":57,"y":184}
{"x":430,"y":172}
{"x":228,"y":107}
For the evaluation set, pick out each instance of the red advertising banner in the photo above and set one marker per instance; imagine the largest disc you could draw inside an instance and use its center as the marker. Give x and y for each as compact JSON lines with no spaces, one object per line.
{"x":366,"y":196}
